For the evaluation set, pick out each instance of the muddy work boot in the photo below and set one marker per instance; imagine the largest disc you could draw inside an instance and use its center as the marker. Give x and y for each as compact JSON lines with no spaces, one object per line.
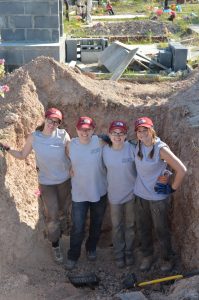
{"x":146,"y":263}
{"x":120,"y":263}
{"x":129,"y":260}
{"x":167,"y":265}
{"x":91,"y":255}
{"x":70,"y":264}
{"x":57,"y":255}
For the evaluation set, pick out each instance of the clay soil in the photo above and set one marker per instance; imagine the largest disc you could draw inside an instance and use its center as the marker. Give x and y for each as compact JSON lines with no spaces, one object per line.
{"x":27,"y":269}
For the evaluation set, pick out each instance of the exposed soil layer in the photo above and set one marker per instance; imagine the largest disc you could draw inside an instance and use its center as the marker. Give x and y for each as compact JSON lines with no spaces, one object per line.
{"x":27,"y":270}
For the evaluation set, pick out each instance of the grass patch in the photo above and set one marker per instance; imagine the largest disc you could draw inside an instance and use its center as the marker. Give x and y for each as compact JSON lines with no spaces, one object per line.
{"x":74,"y":27}
{"x":189,"y":15}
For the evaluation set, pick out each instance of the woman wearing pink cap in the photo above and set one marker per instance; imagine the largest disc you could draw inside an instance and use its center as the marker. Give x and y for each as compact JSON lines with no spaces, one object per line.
{"x":89,"y":188}
{"x":49,"y":144}
{"x":121,"y":174}
{"x":152,"y":156}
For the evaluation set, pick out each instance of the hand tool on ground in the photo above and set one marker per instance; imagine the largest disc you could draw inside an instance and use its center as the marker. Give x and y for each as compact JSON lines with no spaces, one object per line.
{"x":131,"y":281}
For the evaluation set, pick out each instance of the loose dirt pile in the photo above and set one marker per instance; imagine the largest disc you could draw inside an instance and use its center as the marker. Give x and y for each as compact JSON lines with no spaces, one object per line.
{"x":27,"y":271}
{"x":131,"y":28}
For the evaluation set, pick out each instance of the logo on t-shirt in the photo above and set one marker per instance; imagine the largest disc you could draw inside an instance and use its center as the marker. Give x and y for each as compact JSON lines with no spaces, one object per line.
{"x":96,"y":150}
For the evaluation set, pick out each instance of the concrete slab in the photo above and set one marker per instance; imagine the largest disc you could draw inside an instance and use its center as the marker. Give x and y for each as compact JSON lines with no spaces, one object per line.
{"x":149,"y":49}
{"x":121,"y":68}
{"x":113,"y":55}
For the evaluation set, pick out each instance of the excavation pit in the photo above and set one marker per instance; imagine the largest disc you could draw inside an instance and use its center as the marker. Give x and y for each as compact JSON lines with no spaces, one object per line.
{"x":43,"y":83}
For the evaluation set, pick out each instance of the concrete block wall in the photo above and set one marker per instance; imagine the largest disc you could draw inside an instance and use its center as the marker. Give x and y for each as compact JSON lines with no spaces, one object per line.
{"x":87,"y":46}
{"x":31,"y":28}
{"x":31,"y":21}
{"x":18,"y":54}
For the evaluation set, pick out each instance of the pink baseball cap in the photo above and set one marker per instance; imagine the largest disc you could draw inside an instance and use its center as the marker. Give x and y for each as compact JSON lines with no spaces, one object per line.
{"x":144,"y":122}
{"x":85,"y":122}
{"x":118,"y":125}
{"x":53,"y":113}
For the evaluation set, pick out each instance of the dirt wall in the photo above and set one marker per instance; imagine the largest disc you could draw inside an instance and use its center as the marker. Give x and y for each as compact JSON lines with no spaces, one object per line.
{"x":43,"y":83}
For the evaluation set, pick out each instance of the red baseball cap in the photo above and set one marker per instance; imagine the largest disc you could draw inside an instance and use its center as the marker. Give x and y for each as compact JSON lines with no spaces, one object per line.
{"x":118,"y":125}
{"x":85,"y":122}
{"x":53,"y":113}
{"x":144,"y":122}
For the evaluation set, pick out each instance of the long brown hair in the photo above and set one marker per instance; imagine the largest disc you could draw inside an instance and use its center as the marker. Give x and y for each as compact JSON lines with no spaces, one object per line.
{"x":154,"y":136}
{"x":40,"y":127}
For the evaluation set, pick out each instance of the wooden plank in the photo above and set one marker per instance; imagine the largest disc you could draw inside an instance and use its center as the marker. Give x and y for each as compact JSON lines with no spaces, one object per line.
{"x":153,"y":61}
{"x":141,"y":64}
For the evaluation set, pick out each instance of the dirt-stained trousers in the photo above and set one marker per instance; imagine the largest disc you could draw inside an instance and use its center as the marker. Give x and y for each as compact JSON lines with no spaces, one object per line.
{"x":55,"y":200}
{"x":153,"y":215}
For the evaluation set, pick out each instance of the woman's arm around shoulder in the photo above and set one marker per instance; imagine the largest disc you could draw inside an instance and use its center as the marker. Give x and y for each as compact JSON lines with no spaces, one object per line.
{"x":67,"y":149}
{"x":104,"y":139}
{"x":176,"y":164}
{"x":27,"y":148}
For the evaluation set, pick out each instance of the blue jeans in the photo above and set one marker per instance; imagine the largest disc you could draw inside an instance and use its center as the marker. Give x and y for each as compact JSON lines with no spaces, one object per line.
{"x":123,"y":228}
{"x":79,"y":216}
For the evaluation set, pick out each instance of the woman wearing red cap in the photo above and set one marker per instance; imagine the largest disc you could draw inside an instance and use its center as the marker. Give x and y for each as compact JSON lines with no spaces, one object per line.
{"x":49,"y":144}
{"x":121,"y":174}
{"x":152,"y":156}
{"x":89,"y":188}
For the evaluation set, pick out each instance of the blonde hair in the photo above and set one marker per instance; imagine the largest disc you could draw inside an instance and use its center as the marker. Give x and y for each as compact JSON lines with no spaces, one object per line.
{"x":153,"y":135}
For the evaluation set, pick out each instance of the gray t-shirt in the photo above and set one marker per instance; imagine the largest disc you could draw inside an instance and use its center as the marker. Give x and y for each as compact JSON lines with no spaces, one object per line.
{"x":148,"y":171}
{"x":51,"y":160}
{"x":89,"y":181}
{"x":121,"y":173}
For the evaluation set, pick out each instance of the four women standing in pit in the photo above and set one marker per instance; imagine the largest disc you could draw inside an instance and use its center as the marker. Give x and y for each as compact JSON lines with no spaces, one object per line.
{"x":89,"y":187}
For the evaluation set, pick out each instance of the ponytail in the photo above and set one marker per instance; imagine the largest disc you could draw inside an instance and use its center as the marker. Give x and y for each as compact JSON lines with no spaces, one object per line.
{"x":140,"y":154}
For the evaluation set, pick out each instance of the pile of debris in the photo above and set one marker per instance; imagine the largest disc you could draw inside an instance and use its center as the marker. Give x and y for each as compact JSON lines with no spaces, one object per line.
{"x":117,"y":57}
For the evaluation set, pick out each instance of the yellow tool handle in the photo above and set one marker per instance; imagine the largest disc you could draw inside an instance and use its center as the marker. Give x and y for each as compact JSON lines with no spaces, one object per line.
{"x":160,"y":280}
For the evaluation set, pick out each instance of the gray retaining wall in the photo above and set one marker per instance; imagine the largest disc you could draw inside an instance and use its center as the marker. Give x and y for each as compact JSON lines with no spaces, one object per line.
{"x":31,"y":28}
